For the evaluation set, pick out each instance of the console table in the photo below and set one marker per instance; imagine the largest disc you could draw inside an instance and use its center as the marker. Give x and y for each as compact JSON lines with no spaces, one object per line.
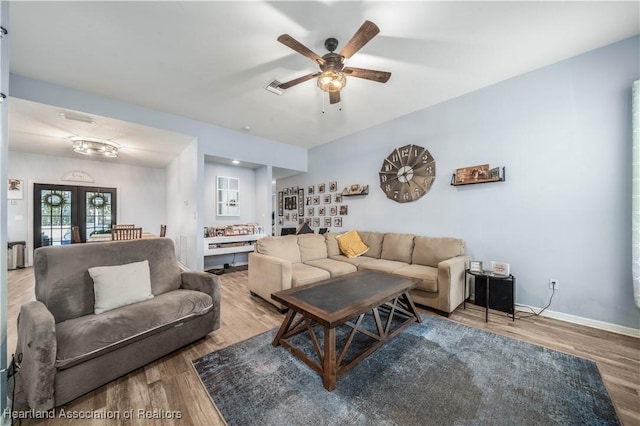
{"x":214,"y":246}
{"x":499,"y":292}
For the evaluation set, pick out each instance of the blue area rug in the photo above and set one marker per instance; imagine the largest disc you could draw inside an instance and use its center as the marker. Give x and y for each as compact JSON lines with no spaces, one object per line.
{"x":435,"y":373}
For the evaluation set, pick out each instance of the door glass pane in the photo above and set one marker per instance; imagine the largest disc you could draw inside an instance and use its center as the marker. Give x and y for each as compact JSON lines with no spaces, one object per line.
{"x":98,"y":213}
{"x":55,"y":217}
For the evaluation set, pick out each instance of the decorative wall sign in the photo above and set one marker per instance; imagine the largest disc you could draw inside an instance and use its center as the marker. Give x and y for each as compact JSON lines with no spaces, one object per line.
{"x":15,"y":189}
{"x":77,"y":176}
{"x":407,"y":173}
{"x":472,"y":173}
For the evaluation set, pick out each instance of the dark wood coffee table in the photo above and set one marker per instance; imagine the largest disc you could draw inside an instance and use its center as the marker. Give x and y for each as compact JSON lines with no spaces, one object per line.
{"x":345,"y":300}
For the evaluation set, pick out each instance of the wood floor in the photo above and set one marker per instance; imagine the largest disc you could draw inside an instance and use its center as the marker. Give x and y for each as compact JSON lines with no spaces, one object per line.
{"x":170,"y":384}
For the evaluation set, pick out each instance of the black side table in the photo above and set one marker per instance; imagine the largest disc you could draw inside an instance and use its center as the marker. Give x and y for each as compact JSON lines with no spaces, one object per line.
{"x":509,"y":296}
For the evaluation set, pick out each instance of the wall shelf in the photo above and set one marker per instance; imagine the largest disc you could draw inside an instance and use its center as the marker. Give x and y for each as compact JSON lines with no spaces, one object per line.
{"x":498,"y":179}
{"x":214,"y":246}
{"x":348,"y":193}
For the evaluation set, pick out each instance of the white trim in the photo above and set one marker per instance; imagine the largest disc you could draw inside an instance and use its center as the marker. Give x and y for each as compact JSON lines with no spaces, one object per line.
{"x":601,"y":325}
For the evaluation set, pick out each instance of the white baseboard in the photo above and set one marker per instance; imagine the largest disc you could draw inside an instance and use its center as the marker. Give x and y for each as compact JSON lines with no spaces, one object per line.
{"x":207,"y":267}
{"x":601,"y":325}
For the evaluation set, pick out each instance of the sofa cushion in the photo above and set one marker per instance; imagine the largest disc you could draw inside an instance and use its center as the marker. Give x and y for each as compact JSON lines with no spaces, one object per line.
{"x":120,"y":285}
{"x":312,"y":247}
{"x":285,"y":247}
{"x":383,"y":265}
{"x":427,"y":274}
{"x":351,"y":244}
{"x":374,"y":241}
{"x":334,"y":267}
{"x":62,"y":279}
{"x":356,"y":261}
{"x":332,"y":244}
{"x":397,"y":247}
{"x":302,"y":274}
{"x":90,"y":336}
{"x":431,"y":251}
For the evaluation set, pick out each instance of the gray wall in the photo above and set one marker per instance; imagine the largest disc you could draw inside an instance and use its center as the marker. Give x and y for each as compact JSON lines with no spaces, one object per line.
{"x":564,"y":134}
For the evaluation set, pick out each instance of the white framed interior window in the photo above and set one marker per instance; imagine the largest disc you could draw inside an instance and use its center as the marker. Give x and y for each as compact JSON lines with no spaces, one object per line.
{"x":228,"y":192}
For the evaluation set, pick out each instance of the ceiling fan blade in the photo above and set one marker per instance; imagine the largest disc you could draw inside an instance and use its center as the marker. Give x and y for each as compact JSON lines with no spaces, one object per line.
{"x":334,"y":97}
{"x":298,"y":80}
{"x":294,"y":44}
{"x":365,"y":33}
{"x":379,"y":76}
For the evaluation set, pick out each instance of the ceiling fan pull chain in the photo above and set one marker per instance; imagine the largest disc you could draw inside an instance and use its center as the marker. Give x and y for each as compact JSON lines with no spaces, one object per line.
{"x":322,"y":96}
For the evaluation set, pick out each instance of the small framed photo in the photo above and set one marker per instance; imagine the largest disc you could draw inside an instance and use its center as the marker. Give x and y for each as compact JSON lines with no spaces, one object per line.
{"x":475,"y":266}
{"x":337,"y":222}
{"x":337,"y":198}
{"x":311,"y":189}
{"x":307,"y":201}
{"x":327,"y":199}
{"x":307,"y":220}
{"x":500,"y":268}
{"x":310,"y":211}
{"x":294,"y":217}
{"x":316,"y":222}
{"x":333,"y":186}
{"x":344,"y":210}
{"x":15,"y":190}
{"x":280,"y":203}
{"x":321,"y":211}
{"x":327,"y":222}
{"x":286,"y":217}
{"x":316,"y":200}
{"x":295,"y":190}
{"x":320,"y":188}
{"x":494,"y":173}
{"x":333,"y":210}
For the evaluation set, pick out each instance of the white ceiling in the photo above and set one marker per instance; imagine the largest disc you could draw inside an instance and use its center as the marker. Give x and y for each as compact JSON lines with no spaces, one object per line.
{"x":210,"y":60}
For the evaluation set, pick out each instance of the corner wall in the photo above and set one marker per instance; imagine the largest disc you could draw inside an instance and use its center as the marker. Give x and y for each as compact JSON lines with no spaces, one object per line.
{"x":564,"y":134}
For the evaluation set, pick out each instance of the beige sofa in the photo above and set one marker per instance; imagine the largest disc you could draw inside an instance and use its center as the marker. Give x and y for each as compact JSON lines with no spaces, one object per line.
{"x":280,"y":263}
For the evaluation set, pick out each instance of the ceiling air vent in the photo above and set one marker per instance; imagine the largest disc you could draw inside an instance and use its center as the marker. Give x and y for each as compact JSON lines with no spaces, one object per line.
{"x":273,"y":87}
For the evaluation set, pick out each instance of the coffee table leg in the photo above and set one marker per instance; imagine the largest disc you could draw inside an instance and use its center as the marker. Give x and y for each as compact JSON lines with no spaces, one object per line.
{"x":329,"y":369}
{"x":286,"y":323}
{"x":411,"y":306}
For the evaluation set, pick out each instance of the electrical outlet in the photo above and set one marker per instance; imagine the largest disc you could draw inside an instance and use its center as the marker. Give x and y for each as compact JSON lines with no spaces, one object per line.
{"x":553,"y":284}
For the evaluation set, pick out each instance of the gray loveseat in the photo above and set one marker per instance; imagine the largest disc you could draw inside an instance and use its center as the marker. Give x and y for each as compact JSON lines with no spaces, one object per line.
{"x":279,"y":263}
{"x":67,"y":350}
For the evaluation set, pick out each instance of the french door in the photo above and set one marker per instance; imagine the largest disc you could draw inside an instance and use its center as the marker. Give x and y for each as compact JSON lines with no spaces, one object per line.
{"x":57,"y":208}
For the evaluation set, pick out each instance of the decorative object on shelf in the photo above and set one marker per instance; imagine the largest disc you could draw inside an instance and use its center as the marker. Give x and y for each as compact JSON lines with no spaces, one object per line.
{"x":475,"y":266}
{"x":280,"y":203}
{"x":95,"y":147}
{"x":14,"y":189}
{"x":407,"y":173}
{"x":355,"y":189}
{"x":500,"y":268}
{"x":477,"y":174}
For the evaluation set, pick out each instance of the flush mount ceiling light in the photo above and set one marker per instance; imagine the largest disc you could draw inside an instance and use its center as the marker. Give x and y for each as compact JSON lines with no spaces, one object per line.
{"x":95,"y":147}
{"x":332,"y":81}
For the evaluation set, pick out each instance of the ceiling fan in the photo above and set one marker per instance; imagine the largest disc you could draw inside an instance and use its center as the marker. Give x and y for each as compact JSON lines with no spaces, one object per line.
{"x":333,"y":73}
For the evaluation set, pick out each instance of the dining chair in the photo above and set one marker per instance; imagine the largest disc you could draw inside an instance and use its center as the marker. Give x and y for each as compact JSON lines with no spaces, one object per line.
{"x":163,"y":230}
{"x":114,"y":226}
{"x":75,"y":235}
{"x":126,"y":234}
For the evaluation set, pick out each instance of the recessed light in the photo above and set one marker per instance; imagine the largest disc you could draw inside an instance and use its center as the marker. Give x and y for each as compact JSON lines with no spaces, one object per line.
{"x":235,"y":162}
{"x":246,"y":128}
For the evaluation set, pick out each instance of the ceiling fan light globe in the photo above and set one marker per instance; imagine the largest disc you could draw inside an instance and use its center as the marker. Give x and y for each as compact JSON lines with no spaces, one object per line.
{"x":332,"y":81}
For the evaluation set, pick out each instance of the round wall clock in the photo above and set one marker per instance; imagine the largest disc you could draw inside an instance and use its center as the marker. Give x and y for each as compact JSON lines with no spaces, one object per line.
{"x":407,"y":173}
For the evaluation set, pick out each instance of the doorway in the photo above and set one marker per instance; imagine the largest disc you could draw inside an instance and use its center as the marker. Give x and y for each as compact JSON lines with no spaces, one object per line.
{"x":57,"y":208}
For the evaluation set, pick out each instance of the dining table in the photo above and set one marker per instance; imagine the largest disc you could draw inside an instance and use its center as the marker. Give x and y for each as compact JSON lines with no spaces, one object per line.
{"x":100,"y":238}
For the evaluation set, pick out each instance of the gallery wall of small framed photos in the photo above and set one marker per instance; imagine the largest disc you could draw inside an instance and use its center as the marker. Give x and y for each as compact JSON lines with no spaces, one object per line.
{"x":320,"y":207}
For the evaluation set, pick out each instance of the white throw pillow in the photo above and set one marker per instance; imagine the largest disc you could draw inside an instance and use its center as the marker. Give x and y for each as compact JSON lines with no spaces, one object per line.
{"x":121,"y":285}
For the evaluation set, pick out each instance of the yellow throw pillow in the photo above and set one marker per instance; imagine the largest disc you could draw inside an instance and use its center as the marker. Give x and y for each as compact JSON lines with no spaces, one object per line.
{"x":351,"y":244}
